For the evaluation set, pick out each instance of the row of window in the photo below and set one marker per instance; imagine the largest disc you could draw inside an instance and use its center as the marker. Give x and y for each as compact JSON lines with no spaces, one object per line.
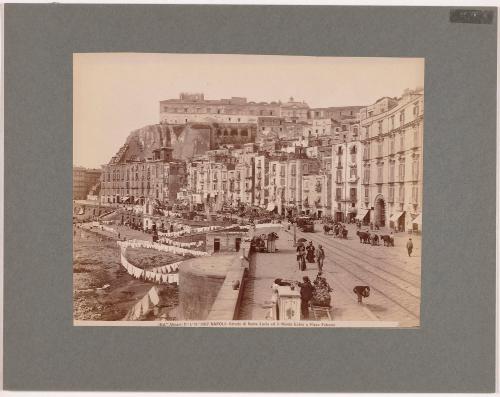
{"x":392,"y":166}
{"x":402,"y":113}
{"x":252,"y":112}
{"x":391,"y":146}
{"x":401,"y":195}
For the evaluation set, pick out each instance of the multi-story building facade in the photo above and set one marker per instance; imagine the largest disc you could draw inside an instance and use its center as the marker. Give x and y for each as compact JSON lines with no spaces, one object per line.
{"x":346,"y":166}
{"x":137,"y":181}
{"x":315,"y":194}
{"x":391,"y":141}
{"x":195,"y":108}
{"x":261,"y":172}
{"x":85,"y":181}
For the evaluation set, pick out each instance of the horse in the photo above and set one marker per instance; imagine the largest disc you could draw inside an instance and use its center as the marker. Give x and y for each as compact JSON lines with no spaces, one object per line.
{"x":374,"y":239}
{"x":364,"y":237}
{"x":388,"y":240}
{"x":327,"y":229}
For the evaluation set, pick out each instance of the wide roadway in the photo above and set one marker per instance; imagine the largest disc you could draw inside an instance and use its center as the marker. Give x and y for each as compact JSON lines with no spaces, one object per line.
{"x":393,"y":277}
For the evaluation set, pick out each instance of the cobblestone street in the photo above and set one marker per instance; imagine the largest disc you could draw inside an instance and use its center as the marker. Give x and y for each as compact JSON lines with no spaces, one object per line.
{"x":394,"y":278}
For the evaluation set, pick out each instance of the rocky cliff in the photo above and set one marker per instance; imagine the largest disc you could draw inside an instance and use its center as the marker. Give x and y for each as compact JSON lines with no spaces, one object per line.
{"x":186,"y":140}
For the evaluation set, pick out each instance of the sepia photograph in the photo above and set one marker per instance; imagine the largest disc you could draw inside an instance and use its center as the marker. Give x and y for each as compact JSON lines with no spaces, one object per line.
{"x":224,"y":190}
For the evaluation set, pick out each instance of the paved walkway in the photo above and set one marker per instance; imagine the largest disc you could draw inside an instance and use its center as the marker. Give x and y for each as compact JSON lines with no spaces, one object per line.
{"x":266,"y":267}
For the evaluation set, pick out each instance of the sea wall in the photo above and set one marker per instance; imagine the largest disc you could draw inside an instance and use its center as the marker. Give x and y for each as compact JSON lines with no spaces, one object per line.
{"x":200,"y":280}
{"x":227,"y":303}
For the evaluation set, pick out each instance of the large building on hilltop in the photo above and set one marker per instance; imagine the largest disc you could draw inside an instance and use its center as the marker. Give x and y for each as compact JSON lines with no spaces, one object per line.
{"x":194,"y":108}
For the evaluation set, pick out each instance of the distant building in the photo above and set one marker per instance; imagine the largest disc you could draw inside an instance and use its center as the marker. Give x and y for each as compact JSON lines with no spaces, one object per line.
{"x":191,"y":108}
{"x":157,"y":179}
{"x":85,"y":181}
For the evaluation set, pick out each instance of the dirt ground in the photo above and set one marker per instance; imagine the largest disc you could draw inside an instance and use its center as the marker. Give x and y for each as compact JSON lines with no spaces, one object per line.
{"x":102,"y":289}
{"x":147,"y":257}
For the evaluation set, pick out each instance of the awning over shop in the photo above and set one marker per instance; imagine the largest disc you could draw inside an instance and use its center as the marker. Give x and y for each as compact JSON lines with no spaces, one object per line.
{"x":271,"y":206}
{"x":362,"y":214}
{"x":396,"y":215}
{"x":418,"y":220}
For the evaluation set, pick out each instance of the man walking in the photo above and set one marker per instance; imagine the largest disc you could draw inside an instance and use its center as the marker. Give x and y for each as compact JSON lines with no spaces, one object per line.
{"x":409,"y":246}
{"x":321,"y":258}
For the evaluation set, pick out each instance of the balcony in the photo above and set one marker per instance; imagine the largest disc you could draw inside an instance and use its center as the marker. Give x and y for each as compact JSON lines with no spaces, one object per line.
{"x":353,"y":179}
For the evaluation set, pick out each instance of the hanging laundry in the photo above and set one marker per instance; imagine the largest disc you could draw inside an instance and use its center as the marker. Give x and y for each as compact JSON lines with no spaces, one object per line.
{"x":153,"y":296}
{"x":145,"y":304}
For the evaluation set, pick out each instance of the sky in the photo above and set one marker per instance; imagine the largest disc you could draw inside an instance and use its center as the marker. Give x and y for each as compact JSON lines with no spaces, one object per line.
{"x":116,"y":93}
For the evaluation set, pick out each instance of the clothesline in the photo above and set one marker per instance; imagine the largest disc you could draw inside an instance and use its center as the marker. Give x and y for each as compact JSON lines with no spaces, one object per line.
{"x":143,"y":307}
{"x":168,"y":241}
{"x":189,"y":230}
{"x":192,"y":230}
{"x":160,"y":276}
{"x":160,"y":247}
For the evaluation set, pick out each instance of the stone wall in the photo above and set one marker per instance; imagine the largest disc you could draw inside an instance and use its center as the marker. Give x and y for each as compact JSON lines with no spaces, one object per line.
{"x":200,"y":280}
{"x":227,"y":303}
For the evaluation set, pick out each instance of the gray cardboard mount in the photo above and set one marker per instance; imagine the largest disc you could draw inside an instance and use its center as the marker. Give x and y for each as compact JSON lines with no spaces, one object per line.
{"x":453,"y":350}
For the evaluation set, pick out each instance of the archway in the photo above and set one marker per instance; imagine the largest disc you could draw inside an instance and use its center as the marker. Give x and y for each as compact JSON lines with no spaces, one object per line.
{"x":379,"y":211}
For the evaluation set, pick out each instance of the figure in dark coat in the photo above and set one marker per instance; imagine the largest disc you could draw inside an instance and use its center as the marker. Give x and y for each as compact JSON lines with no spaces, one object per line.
{"x":409,"y":246}
{"x":306,"y":294}
{"x":301,"y":257}
{"x":310,"y":252}
{"x":321,"y":257}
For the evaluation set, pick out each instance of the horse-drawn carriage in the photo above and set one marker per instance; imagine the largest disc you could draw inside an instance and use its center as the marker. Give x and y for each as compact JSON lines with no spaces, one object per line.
{"x":336,"y":228}
{"x":305,"y":223}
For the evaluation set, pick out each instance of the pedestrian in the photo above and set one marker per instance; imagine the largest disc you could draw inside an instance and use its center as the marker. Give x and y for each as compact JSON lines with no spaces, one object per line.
{"x":306,"y":294}
{"x":310,"y":252}
{"x":301,"y":257}
{"x":271,"y":245}
{"x":409,"y":246}
{"x":321,"y":258}
{"x":118,"y":235}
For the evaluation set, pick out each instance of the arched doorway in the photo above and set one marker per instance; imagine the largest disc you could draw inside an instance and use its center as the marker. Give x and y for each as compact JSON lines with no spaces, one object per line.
{"x":379,"y":216}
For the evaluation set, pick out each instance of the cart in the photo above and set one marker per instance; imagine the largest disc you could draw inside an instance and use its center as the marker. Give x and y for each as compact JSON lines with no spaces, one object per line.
{"x":321,"y":313}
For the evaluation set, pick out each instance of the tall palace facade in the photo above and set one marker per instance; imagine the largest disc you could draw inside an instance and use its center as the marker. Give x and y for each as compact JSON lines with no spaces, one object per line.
{"x":378,"y":172}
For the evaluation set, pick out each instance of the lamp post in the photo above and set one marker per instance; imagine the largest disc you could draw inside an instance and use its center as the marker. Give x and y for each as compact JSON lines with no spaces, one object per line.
{"x":345,"y":181}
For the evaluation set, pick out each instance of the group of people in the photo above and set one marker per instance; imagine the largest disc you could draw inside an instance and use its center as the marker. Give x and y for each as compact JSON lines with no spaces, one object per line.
{"x":264,"y":242}
{"x":316,"y":293}
{"x":309,"y":253}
